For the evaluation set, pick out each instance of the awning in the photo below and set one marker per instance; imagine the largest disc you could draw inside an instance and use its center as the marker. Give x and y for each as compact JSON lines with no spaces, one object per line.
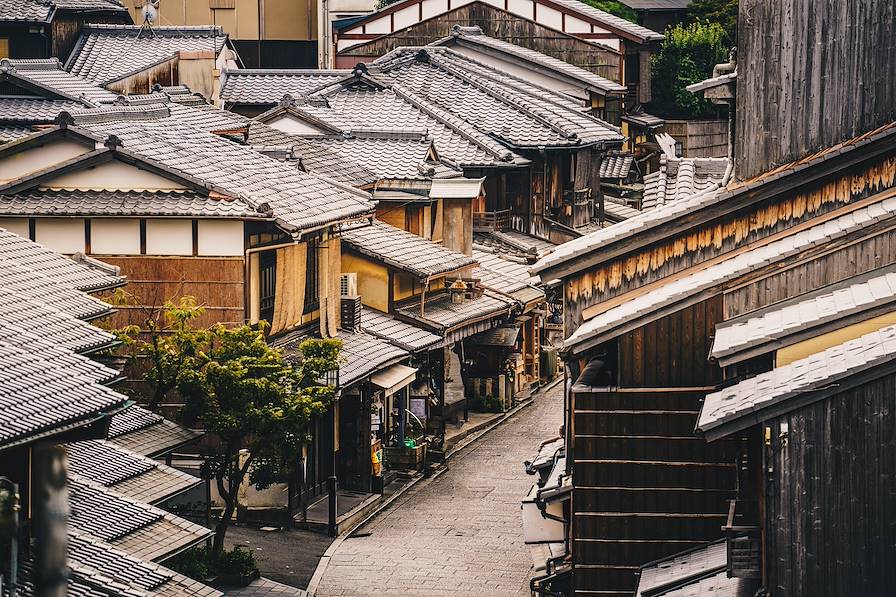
{"x":393,"y":378}
{"x":456,"y":188}
{"x":499,"y":336}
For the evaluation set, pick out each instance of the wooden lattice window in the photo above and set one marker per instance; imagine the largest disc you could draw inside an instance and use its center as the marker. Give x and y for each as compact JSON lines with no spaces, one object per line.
{"x":267,"y":270}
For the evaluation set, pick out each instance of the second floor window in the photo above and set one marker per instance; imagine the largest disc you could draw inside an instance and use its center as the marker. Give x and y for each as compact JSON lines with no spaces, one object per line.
{"x":267,"y":270}
{"x":312,"y":282}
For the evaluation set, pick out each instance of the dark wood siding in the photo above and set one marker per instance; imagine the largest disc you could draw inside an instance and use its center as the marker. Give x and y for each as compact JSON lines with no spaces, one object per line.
{"x":830,"y":525}
{"x":495,"y":23}
{"x":810,"y":74}
{"x":672,"y":351}
{"x":865,"y":255}
{"x":645,"y":486}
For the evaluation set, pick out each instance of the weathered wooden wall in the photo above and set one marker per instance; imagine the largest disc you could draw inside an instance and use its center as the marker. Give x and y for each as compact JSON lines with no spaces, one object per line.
{"x":217,"y":283}
{"x":164,"y":74}
{"x":672,"y":351}
{"x":810,"y":74}
{"x":645,"y":487}
{"x":695,"y":245}
{"x":831,"y":500}
{"x":700,"y":138}
{"x":877,"y":250}
{"x":495,"y":23}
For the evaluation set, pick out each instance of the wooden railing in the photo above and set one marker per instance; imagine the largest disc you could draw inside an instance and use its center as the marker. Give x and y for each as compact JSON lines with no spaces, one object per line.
{"x":743,"y":547}
{"x":487,"y":221}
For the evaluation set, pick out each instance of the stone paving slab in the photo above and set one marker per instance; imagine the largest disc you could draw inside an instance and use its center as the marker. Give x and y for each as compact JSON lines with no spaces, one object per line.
{"x":459,"y":535}
{"x":264,"y":587}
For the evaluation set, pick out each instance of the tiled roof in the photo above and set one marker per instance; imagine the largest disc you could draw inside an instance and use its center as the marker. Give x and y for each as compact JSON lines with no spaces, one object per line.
{"x":298,"y":201}
{"x":63,"y":356}
{"x":33,"y":111}
{"x":266,"y":86}
{"x":107,"y":53}
{"x":38,"y":394}
{"x":770,"y":326}
{"x":518,"y":112}
{"x":681,"y":178}
{"x":74,"y":202}
{"x":361,"y":354}
{"x":29,"y":11}
{"x":717,"y":585}
{"x":50,"y":74}
{"x":82,"y":273}
{"x":613,"y":321}
{"x":144,"y":432}
{"x":12,"y":132}
{"x":475,"y":37}
{"x":404,"y":250}
{"x":40,"y":286}
{"x":616,"y":164}
{"x":748,"y":398}
{"x":140,"y":530}
{"x":642,"y":33}
{"x":686,"y":207}
{"x":390,"y":158}
{"x":400,"y":333}
{"x":506,"y":267}
{"x":512,"y":244}
{"x":127,"y":472}
{"x":442,"y":316}
{"x":102,"y":562}
{"x":506,"y":277}
{"x":681,"y":567}
{"x":615,"y":211}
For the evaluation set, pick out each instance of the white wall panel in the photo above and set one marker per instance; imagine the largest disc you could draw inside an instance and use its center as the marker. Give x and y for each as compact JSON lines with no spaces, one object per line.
{"x":407,"y":16}
{"x":383,"y":25}
{"x":63,"y":235}
{"x":290,"y":124}
{"x":115,"y":236}
{"x":15,"y":225}
{"x":220,"y":237}
{"x":575,"y":25}
{"x":549,"y":17}
{"x":523,"y":8}
{"x":20,"y":164}
{"x":169,"y":237}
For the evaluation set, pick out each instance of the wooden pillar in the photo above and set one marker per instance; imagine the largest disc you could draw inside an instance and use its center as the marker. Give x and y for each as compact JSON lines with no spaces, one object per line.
{"x":51,"y":512}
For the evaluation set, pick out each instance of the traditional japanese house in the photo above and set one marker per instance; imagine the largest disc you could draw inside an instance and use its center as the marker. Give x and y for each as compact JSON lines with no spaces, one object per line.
{"x":132,"y":59}
{"x":568,"y":30}
{"x":33,"y":29}
{"x":52,"y":393}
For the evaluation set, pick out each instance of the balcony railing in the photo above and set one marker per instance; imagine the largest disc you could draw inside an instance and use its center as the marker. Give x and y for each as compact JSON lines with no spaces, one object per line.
{"x":743,"y":547}
{"x":489,"y":221}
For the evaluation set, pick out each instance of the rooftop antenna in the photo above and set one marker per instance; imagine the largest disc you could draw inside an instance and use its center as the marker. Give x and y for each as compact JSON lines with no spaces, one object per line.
{"x":150,"y":12}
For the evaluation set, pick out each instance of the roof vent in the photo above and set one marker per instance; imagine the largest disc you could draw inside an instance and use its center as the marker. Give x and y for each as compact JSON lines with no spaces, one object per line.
{"x":121,"y":101}
{"x":112,"y":142}
{"x":64,"y":119}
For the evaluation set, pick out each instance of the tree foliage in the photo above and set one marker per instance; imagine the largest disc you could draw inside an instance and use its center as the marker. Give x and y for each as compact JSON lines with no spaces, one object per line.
{"x":722,"y":12}
{"x":256,"y":405}
{"x":614,"y":7}
{"x":687,"y":55}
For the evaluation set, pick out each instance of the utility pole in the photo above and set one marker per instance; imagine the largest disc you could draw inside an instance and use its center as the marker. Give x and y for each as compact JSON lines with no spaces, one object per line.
{"x":50,"y":501}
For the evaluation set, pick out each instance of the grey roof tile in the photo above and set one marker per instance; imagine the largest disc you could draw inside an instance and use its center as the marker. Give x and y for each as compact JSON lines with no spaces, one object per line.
{"x":512,"y":245}
{"x":108,"y":53}
{"x":400,"y":333}
{"x":681,"y":178}
{"x":33,"y":110}
{"x":681,"y":567}
{"x":507,"y":277}
{"x":267,"y":86}
{"x":813,"y":372}
{"x":717,"y":585}
{"x":38,"y":286}
{"x":127,"y":472}
{"x":29,"y":11}
{"x":607,"y":324}
{"x":846,"y":298}
{"x":444,"y":317}
{"x":616,"y":164}
{"x":403,"y":250}
{"x":389,"y":158}
{"x":361,"y":354}
{"x":80,"y":273}
{"x":74,"y":202}
{"x":513,"y":110}
{"x":49,"y":73}
{"x":634,"y":29}
{"x":298,"y":201}
{"x":144,"y":432}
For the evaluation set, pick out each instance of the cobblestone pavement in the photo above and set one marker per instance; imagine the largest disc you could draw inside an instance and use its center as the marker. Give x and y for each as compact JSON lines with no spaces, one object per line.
{"x":459,"y":534}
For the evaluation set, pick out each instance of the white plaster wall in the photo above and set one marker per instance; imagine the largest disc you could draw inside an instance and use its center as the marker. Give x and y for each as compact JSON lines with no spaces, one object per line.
{"x":407,"y":16}
{"x":15,"y":225}
{"x":115,"y":236}
{"x":432,"y":8}
{"x":576,"y":25}
{"x":169,"y":237}
{"x":550,"y":17}
{"x":38,"y":158}
{"x":383,"y":25}
{"x":496,"y":3}
{"x":290,"y":124}
{"x":523,"y":8}
{"x":110,"y":176}
{"x":63,"y":235}
{"x":220,"y":237}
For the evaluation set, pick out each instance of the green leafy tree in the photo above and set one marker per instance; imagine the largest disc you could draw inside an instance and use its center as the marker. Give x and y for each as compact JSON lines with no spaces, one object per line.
{"x":721,"y":12}
{"x":687,"y":55}
{"x":614,"y":7}
{"x":250,"y":398}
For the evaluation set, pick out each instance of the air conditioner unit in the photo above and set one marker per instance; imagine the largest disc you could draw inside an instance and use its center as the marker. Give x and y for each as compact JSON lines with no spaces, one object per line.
{"x":348,"y":285}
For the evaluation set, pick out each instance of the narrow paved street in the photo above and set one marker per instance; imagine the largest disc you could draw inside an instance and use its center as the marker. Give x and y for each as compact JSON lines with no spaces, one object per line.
{"x":459,"y":534}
